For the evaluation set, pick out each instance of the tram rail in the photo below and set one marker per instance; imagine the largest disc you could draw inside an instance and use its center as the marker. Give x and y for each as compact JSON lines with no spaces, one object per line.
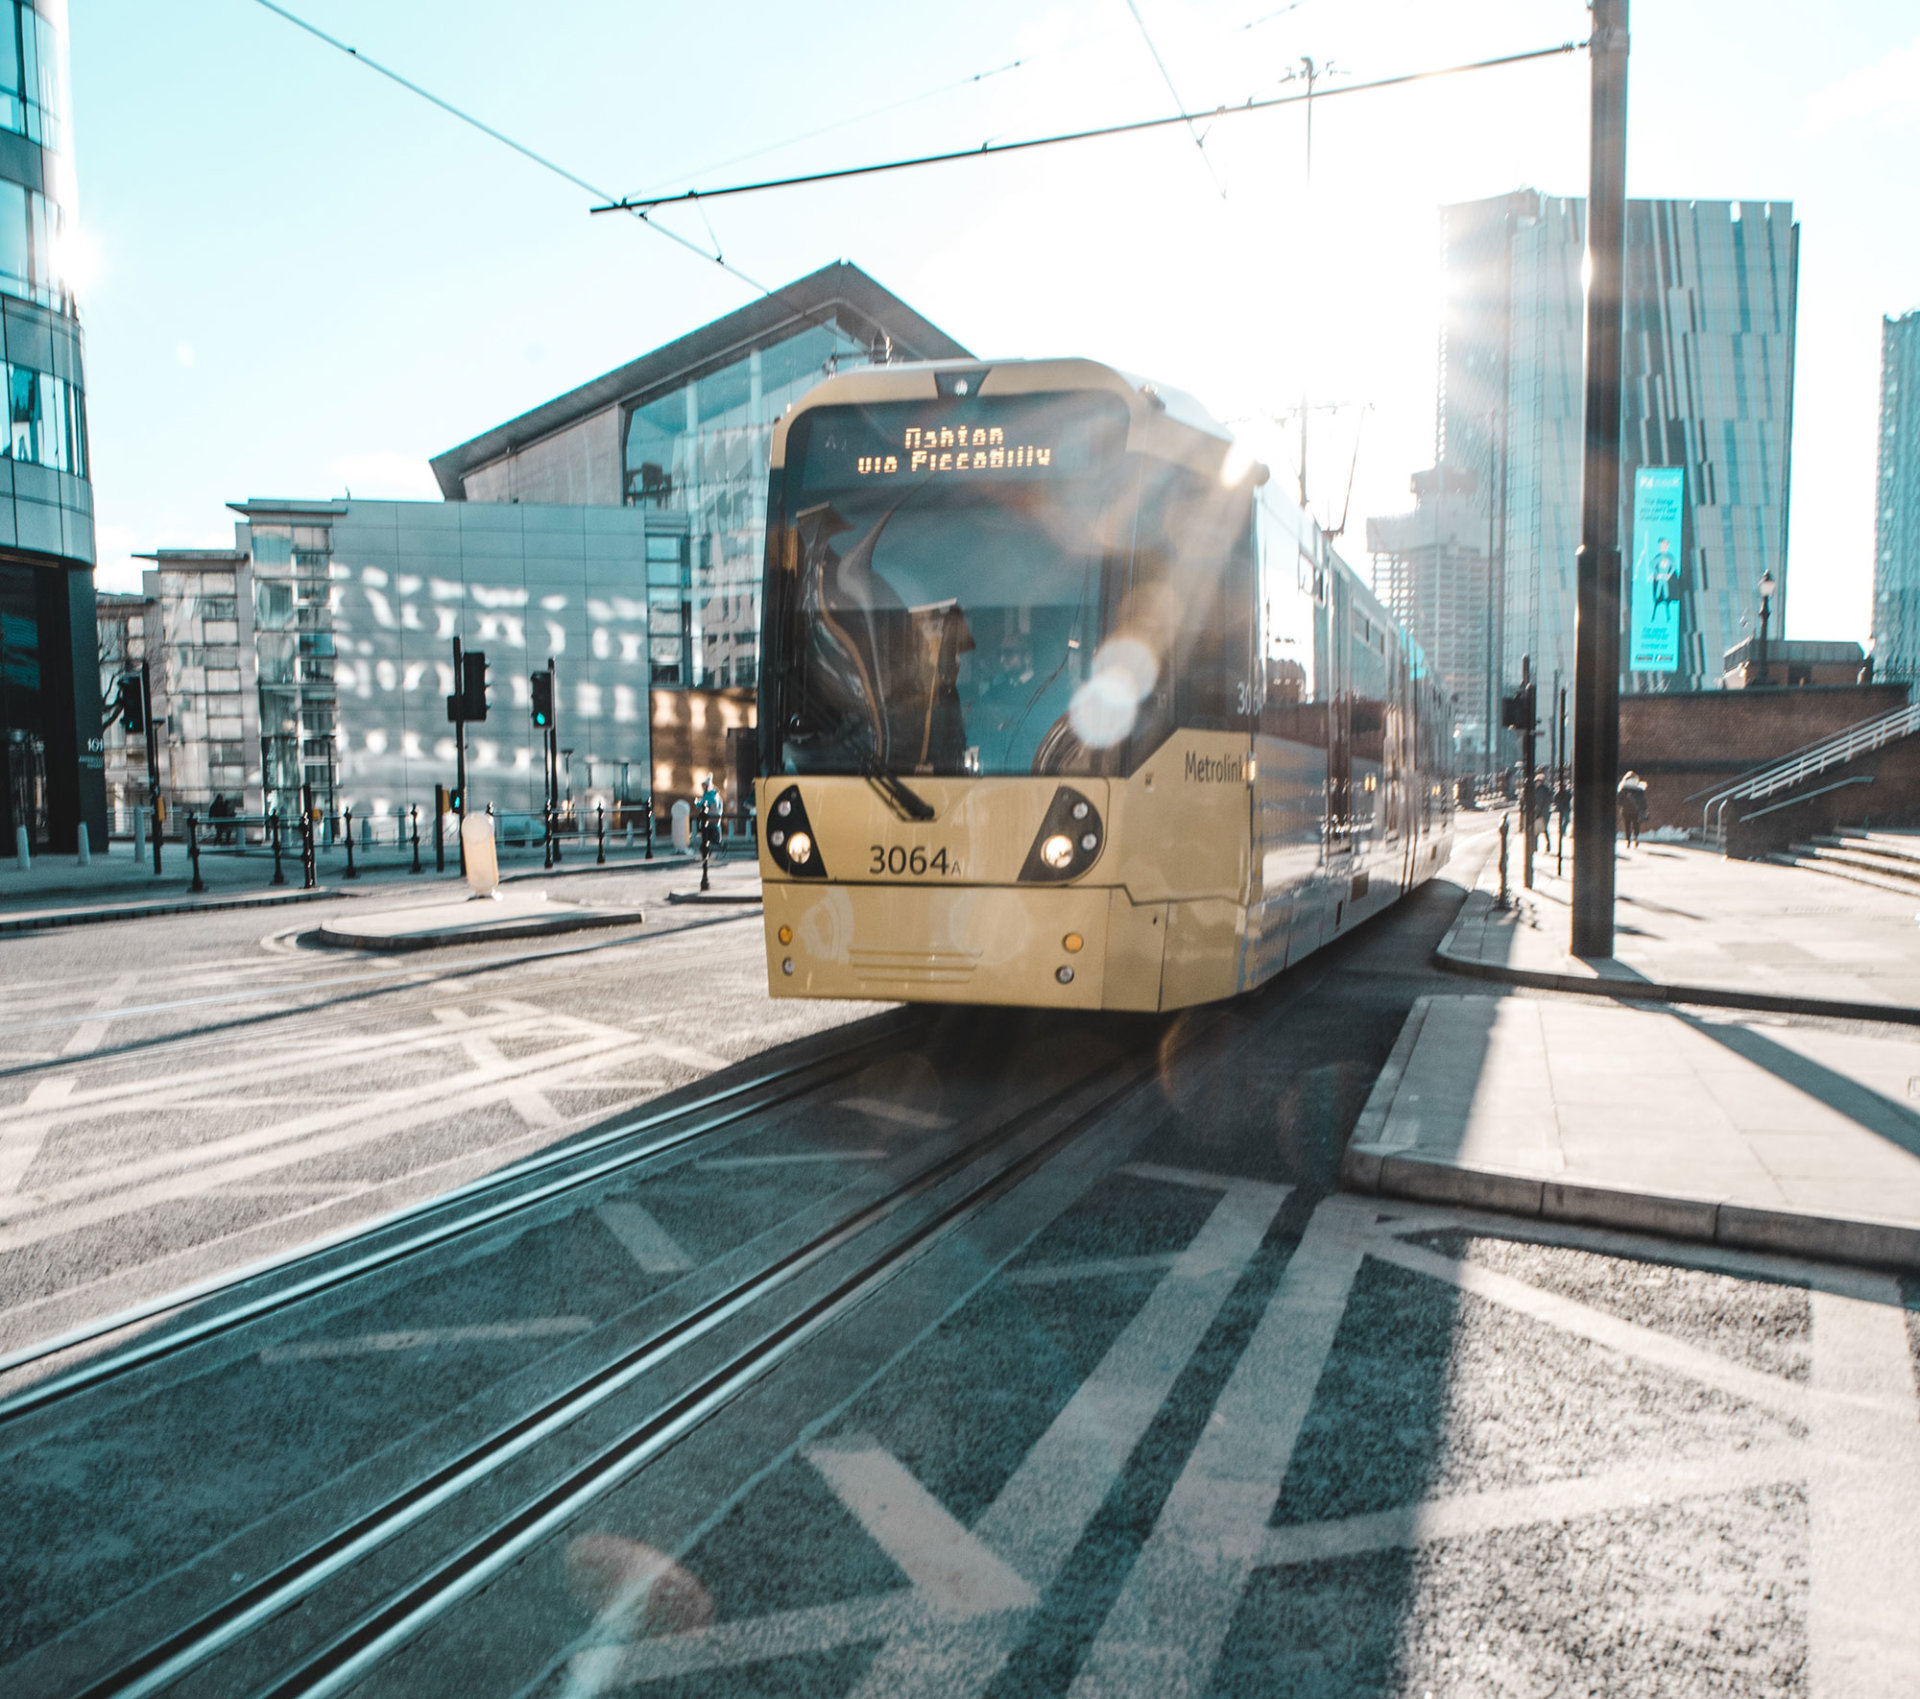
{"x":952,"y":1188}
{"x":786,"y":1082}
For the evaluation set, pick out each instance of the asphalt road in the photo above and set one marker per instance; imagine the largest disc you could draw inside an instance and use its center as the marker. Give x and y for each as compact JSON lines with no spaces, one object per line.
{"x":1113,"y":1393}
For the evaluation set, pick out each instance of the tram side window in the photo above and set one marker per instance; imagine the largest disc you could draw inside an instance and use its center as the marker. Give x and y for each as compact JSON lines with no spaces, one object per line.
{"x":1291,"y":706}
{"x":1194,"y":583}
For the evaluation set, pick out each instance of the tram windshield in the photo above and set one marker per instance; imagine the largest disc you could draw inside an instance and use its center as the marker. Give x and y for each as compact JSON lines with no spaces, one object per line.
{"x":947,"y":582}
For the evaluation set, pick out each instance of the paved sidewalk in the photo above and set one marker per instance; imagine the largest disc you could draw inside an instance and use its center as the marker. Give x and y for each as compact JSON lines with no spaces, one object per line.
{"x":1694,"y":927}
{"x":1763,"y":1134}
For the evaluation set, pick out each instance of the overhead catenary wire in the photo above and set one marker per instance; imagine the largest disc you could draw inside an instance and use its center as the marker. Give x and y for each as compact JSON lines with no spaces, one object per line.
{"x":505,"y":140}
{"x":1166,"y":77}
{"x":991,"y":149}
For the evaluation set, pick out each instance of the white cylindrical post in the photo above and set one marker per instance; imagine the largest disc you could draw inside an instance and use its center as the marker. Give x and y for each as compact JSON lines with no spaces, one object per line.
{"x":139,"y":834}
{"x":85,"y":848}
{"x":22,"y":850}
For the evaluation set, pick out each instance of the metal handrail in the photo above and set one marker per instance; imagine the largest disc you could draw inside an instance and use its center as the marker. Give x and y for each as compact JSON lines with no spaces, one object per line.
{"x":1842,"y":747}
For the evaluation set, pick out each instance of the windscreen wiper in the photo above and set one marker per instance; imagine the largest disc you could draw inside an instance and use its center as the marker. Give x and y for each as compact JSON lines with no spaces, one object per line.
{"x":900,"y":796}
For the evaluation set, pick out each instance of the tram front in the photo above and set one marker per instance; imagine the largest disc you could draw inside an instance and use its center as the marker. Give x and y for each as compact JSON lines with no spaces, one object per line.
{"x":1000,"y":616}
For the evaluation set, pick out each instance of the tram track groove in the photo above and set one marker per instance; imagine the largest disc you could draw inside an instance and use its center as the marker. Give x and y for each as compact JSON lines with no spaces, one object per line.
{"x":798,"y":1081}
{"x":219,"y":1629}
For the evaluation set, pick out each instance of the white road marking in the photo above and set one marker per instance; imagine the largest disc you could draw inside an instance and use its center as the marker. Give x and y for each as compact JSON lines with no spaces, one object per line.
{"x":87,"y":1035}
{"x":643,"y":1238}
{"x":418,"y":1338}
{"x":1201,"y":1181}
{"x":21,"y":1143}
{"x":1864,"y":1493}
{"x":1610,"y":1332}
{"x":189,"y":1171}
{"x":1039,"y":1516}
{"x":954,"y":1573}
{"x":1164,"y":1632}
{"x":901,"y":1114}
{"x":1463,"y":1515}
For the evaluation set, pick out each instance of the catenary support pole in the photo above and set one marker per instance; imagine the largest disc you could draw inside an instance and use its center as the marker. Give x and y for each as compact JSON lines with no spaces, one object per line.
{"x":1596,"y":676}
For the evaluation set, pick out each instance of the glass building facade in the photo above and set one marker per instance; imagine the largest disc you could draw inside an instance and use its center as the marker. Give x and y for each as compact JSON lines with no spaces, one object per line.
{"x":50,"y":738}
{"x":351,"y":608}
{"x":1896,"y":534}
{"x":1708,"y":388}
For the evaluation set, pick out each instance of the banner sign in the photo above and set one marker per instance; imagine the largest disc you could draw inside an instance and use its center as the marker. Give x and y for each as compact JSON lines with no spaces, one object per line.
{"x":1653,"y":622}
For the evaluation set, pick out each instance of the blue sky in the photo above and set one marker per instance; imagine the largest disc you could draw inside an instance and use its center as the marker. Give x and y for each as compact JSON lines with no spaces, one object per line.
{"x":306,"y":280}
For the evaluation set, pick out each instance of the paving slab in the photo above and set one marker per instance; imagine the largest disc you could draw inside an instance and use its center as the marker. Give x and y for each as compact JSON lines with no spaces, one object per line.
{"x":1693,"y":926}
{"x":476,"y":920}
{"x":1762,"y":1134}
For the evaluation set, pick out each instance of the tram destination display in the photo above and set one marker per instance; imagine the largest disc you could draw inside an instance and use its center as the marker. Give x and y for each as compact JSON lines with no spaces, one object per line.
{"x":1011,"y":437}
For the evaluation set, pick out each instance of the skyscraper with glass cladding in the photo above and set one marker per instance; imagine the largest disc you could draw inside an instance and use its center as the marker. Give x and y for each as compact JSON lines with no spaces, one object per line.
{"x":1896,"y":532}
{"x":51,"y":765}
{"x":1708,"y":388}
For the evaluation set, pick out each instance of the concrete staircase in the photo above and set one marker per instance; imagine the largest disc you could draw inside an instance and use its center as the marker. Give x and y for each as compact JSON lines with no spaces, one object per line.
{"x":1888,"y":860}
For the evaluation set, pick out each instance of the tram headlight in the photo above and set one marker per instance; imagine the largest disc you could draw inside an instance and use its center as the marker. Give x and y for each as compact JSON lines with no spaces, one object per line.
{"x":1069,"y":840}
{"x":790,"y":842}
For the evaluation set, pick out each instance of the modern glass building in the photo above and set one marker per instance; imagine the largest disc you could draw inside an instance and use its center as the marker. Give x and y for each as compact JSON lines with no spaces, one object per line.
{"x":684,"y":432}
{"x":1709,"y":350}
{"x":51,"y":764}
{"x":351,"y":609}
{"x":1896,"y":535}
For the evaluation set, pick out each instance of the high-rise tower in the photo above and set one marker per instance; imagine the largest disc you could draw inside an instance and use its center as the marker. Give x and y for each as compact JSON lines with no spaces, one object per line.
{"x":1896,"y":532}
{"x":1710,"y":307}
{"x":51,"y":770}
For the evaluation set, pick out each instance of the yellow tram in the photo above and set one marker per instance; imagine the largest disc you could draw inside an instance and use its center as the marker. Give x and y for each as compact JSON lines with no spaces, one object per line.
{"x":1061,"y":705}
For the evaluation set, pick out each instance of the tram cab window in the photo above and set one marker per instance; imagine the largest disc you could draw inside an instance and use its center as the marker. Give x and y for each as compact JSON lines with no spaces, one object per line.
{"x":948,"y":568}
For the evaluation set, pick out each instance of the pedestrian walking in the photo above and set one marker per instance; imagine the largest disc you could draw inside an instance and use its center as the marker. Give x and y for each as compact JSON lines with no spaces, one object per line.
{"x":1632,"y":796}
{"x":1563,"y":806}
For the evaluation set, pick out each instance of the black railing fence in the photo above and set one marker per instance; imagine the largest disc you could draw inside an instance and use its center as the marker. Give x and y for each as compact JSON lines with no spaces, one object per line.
{"x":349,"y":844}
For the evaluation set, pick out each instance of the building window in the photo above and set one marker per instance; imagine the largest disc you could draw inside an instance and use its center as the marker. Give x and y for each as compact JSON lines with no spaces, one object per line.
{"x":46,"y":421}
{"x":33,"y":75}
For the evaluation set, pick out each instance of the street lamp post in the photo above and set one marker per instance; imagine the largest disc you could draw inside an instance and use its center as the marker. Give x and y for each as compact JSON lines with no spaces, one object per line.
{"x":1767,"y":588}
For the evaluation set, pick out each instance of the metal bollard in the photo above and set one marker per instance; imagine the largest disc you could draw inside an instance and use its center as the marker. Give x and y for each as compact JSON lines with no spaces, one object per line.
{"x":139,"y":835}
{"x":649,"y":828}
{"x":309,"y":871}
{"x":601,"y":816}
{"x":193,"y":852}
{"x":273,"y":831}
{"x":346,"y":816}
{"x":629,"y":842}
{"x":1501,"y":900}
{"x":416,"y":837}
{"x":84,"y":845}
{"x":22,"y":850}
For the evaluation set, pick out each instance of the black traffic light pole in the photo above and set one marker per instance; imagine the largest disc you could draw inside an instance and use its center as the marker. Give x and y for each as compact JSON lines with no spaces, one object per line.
{"x":153,"y":757}
{"x":1529,"y":753}
{"x":1596,"y":674}
{"x":553,"y":760}
{"x":457,"y":712}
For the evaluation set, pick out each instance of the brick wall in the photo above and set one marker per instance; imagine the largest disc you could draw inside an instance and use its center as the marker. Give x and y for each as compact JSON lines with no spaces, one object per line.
{"x":1691,"y":743}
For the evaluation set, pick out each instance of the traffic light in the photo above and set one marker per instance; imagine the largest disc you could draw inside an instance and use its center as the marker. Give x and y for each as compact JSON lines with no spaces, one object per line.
{"x":542,"y":687}
{"x":1516,"y":711}
{"x":131,"y":705}
{"x":473,"y":685}
{"x":456,"y":800}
